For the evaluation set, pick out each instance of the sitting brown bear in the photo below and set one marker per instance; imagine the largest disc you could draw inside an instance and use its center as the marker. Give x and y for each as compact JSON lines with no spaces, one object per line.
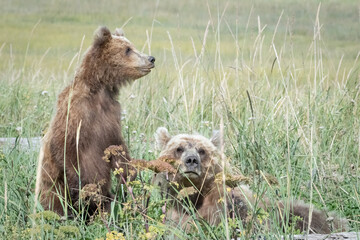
{"x":87,"y":121}
{"x":198,"y":162}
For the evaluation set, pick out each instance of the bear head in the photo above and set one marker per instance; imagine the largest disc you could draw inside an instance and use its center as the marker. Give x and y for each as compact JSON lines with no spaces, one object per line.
{"x":114,"y":60}
{"x":197,"y":158}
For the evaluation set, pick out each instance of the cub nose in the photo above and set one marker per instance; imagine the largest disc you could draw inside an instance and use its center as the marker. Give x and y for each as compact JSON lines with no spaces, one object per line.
{"x":151,"y":59}
{"x":192,"y":162}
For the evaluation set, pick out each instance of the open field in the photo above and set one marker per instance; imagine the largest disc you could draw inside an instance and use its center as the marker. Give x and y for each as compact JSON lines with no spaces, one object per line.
{"x":298,"y":62}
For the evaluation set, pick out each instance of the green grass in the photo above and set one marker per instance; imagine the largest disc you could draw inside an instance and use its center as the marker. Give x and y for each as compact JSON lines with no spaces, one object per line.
{"x":303,"y":127}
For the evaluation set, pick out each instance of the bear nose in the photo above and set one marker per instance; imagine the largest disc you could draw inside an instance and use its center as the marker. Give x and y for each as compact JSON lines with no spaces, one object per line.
{"x":191,"y":161}
{"x":151,"y":59}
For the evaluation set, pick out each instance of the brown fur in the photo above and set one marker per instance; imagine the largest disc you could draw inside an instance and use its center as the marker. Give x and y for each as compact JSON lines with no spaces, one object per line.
{"x":209,"y":196}
{"x":87,"y":121}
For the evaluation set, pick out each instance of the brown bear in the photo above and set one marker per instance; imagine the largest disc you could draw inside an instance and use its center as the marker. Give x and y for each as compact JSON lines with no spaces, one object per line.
{"x":197,"y":160}
{"x":87,"y":121}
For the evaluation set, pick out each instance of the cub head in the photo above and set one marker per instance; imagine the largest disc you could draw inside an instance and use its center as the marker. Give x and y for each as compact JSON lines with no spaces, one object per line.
{"x":197,"y":157}
{"x":115,"y":55}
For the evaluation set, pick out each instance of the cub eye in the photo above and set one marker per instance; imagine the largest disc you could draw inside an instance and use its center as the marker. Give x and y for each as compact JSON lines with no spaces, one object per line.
{"x":128,"y":50}
{"x":201,"y":151}
{"x":180,"y":150}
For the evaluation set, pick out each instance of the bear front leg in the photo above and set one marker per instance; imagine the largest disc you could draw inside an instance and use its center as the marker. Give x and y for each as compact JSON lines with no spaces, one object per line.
{"x":214,"y":208}
{"x":178,"y":217}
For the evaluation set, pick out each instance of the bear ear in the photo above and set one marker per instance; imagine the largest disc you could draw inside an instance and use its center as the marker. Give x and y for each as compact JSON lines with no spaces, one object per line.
{"x":162,"y":137}
{"x":119,"y":32}
{"x":102,"y":35}
{"x":216,"y":139}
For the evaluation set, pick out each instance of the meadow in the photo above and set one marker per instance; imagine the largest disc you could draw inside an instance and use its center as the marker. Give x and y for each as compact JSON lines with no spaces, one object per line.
{"x":283,"y":77}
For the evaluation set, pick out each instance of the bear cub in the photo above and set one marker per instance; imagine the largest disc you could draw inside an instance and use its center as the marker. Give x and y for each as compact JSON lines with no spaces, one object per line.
{"x":198,"y":161}
{"x":86,"y":122}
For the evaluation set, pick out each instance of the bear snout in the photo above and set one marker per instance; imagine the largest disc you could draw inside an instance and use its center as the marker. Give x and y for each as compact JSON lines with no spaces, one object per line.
{"x":192,"y":163}
{"x":151,"y":59}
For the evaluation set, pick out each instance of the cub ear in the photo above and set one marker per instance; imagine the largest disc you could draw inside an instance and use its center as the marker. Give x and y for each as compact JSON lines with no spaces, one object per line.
{"x":216,"y":139}
{"x":101,"y":36}
{"x":119,"y":32}
{"x":162,"y":137}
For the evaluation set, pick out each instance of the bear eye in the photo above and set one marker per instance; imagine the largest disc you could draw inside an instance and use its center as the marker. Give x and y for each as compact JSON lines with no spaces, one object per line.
{"x":180,"y":150}
{"x":128,"y":50}
{"x":201,"y":151}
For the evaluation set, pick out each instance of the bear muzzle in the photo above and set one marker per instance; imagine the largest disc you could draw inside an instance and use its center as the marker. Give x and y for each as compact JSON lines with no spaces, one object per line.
{"x":148,"y":65}
{"x":192,"y":164}
{"x":151,"y":59}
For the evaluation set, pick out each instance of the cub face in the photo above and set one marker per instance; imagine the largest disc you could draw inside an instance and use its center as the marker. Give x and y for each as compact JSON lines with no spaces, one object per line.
{"x":119,"y":56}
{"x":197,"y":157}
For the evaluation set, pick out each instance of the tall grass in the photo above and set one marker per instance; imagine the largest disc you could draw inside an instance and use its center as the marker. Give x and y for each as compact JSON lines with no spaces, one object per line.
{"x":288,"y":95}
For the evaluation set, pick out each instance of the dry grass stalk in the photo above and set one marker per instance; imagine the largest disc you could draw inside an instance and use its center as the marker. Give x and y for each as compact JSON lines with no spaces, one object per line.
{"x":169,"y":165}
{"x":231,"y":180}
{"x":162,"y":164}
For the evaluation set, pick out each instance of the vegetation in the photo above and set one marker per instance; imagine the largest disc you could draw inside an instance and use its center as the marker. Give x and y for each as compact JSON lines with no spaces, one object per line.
{"x":283,"y":76}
